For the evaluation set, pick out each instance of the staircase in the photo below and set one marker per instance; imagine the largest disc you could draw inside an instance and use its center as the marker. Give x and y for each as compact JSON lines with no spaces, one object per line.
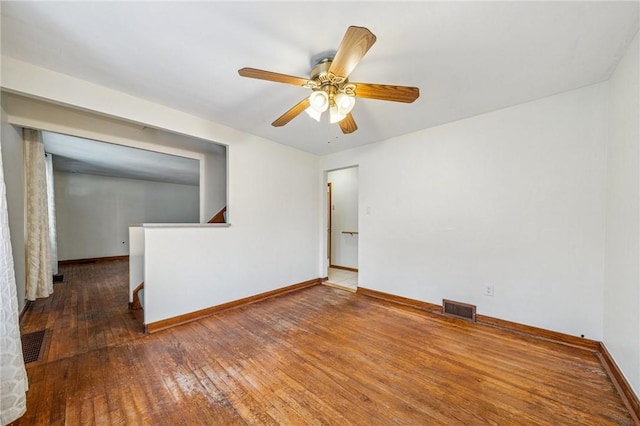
{"x":220,"y":216}
{"x":138,"y":297}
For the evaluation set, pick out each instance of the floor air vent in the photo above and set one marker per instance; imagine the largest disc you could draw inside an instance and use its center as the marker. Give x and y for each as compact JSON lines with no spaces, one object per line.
{"x":32,"y":345}
{"x":459,"y":309}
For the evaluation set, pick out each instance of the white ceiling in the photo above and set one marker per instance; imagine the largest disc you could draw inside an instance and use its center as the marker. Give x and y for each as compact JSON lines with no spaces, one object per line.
{"x":467,"y":58}
{"x":78,"y":155}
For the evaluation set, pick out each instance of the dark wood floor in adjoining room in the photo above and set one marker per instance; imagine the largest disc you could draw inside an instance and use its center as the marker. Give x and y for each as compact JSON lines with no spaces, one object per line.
{"x":317,"y":356}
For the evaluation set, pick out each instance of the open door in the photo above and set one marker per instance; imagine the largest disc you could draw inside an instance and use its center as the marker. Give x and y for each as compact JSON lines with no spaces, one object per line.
{"x":342,"y":227}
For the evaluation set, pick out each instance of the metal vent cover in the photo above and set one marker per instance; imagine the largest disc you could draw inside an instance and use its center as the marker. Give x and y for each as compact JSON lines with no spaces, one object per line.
{"x":459,"y":309}
{"x":32,"y":346}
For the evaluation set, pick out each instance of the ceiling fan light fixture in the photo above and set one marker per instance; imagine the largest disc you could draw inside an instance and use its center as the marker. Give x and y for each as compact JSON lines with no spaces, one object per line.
{"x":313,"y":113}
{"x":330,"y":86}
{"x":335,"y":115}
{"x":319,"y":101}
{"x":344,"y":103}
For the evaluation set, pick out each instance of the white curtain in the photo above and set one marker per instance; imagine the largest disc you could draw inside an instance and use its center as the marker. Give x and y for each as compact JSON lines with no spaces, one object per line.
{"x":13,"y":376}
{"x":38,"y":257}
{"x":51,"y":209}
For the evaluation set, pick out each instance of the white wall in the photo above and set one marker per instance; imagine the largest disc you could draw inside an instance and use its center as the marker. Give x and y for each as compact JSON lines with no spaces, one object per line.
{"x":514,"y":198}
{"x":622,"y":268}
{"x":12,"y":159}
{"x":344,"y":188}
{"x":271,"y":243}
{"x":93,"y":213}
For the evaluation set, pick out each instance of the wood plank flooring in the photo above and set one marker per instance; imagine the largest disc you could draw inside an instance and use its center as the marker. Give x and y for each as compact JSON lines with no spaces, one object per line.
{"x":319,"y":356}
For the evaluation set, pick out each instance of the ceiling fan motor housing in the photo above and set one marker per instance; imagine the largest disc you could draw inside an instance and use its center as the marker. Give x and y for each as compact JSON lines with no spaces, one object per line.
{"x":331,"y":84}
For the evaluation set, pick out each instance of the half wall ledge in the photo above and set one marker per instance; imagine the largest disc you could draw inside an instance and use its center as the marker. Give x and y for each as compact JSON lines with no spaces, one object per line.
{"x":183,"y":225}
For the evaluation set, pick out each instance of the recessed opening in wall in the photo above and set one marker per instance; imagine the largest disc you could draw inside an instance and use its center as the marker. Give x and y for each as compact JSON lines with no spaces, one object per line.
{"x":342,"y":227}
{"x":101,"y":188}
{"x":183,"y":183}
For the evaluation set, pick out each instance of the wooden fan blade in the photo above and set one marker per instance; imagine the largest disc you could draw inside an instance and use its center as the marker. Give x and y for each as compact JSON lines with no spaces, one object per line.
{"x":355,"y":44}
{"x":348,"y":124}
{"x":272,"y":76}
{"x":292,"y":113}
{"x":387,"y":92}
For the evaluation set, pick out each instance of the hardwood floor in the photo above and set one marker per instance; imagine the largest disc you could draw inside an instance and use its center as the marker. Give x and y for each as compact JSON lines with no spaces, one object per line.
{"x":317,"y":356}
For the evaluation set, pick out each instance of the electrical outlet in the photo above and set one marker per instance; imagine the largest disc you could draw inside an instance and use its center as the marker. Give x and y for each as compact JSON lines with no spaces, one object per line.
{"x":488,"y":289}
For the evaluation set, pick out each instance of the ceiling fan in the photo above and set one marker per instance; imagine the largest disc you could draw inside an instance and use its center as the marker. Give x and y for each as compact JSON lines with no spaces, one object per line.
{"x":330,"y":87}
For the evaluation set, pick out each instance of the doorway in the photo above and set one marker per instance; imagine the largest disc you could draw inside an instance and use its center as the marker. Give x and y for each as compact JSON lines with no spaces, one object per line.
{"x":342,"y":227}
